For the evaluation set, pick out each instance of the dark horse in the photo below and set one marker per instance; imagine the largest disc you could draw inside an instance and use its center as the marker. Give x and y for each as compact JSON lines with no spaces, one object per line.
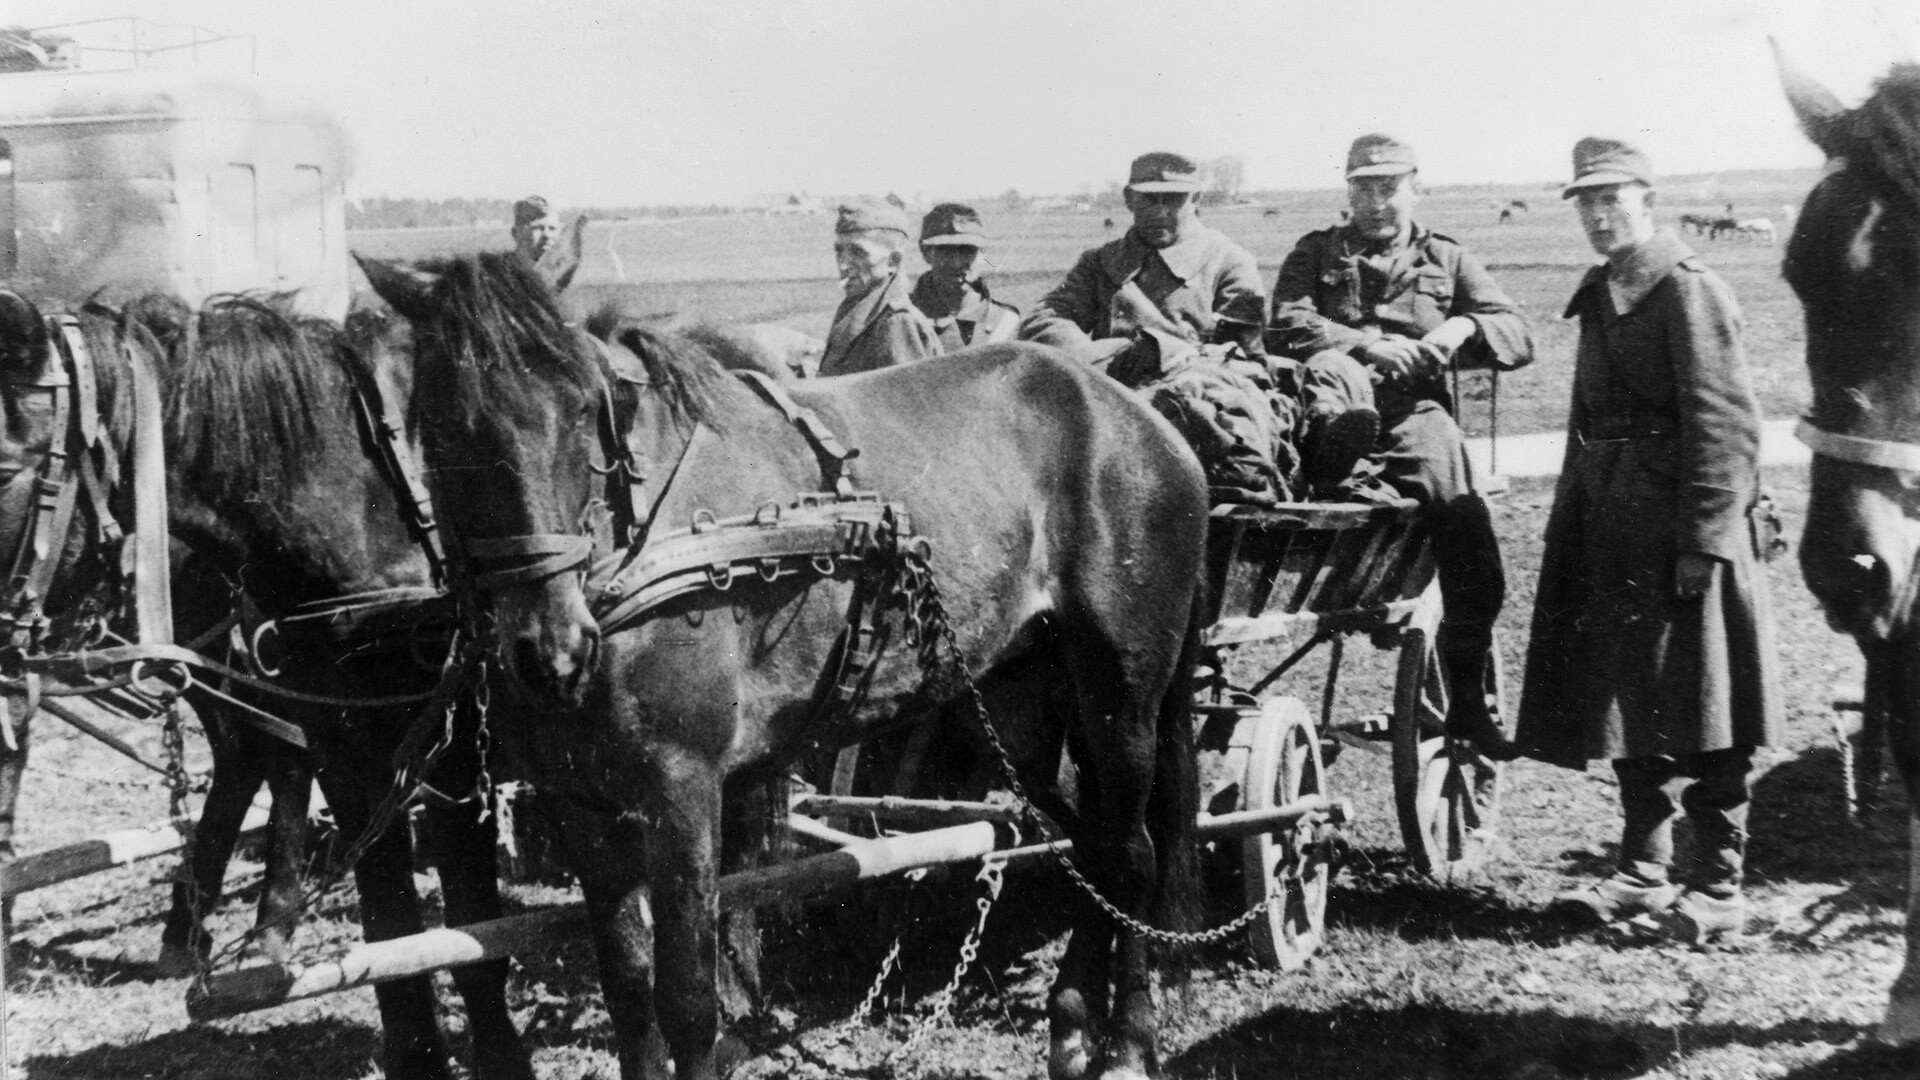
{"x":276,"y":489}
{"x":1854,"y":260}
{"x":1067,"y":524}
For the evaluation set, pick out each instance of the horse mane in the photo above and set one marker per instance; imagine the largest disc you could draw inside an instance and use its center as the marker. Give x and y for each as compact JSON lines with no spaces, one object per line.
{"x":1887,"y":128}
{"x":682,"y":368}
{"x":494,"y":331}
{"x":243,"y":380}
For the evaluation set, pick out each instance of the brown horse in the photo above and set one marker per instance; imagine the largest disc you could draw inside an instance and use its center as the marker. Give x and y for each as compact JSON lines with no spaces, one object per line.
{"x":1854,"y":260}
{"x":1067,"y":524}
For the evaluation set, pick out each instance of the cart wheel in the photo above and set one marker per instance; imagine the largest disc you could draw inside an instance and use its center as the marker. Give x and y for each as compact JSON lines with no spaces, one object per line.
{"x":1289,"y":869}
{"x":1447,"y":795}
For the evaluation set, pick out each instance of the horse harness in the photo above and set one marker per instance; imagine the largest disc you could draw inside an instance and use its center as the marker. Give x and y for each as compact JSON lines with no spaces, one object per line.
{"x":1880,"y":453}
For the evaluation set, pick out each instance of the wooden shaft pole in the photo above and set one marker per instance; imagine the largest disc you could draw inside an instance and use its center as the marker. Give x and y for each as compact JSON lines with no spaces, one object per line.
{"x":44,"y":868}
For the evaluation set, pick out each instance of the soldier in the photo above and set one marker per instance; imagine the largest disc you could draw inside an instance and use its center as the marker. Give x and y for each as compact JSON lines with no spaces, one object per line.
{"x":535,"y":227}
{"x":1652,"y":640}
{"x":1383,"y":300}
{"x":951,"y":293}
{"x":1168,"y":274}
{"x":876,"y":325}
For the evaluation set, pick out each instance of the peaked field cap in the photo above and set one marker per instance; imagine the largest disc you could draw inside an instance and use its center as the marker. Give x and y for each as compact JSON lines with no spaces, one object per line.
{"x":1162,"y":171}
{"x":952,"y":225}
{"x":866,"y":214}
{"x":1598,"y":162}
{"x":1380,"y":155}
{"x":531,"y":208}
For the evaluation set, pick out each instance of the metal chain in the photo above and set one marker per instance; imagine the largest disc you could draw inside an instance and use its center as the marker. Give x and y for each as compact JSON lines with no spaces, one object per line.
{"x":991,"y":873}
{"x":927,"y":612}
{"x":879,"y":983}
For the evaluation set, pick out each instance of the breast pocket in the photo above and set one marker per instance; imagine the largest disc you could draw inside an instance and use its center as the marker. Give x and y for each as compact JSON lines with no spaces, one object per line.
{"x":1433,"y":295}
{"x":1340,"y":295}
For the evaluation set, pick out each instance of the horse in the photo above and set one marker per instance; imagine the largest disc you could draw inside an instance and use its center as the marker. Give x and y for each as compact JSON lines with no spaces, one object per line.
{"x":1698,"y":223}
{"x":1853,"y":261}
{"x":1067,"y":528}
{"x":1720,"y":226}
{"x":1756,"y":229}
{"x":277,"y":490}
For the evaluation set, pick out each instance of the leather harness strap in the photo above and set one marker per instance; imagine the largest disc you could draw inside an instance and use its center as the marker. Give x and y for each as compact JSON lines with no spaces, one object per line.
{"x":826,"y":446}
{"x":1884,"y":453}
{"x":389,"y":435}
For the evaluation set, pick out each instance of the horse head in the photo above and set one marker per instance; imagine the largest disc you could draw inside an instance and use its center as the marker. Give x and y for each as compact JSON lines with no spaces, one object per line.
{"x":1854,"y":261}
{"x":505,"y":397}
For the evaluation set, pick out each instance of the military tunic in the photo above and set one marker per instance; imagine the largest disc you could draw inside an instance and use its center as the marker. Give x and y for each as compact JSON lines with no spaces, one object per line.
{"x":1194,"y":283}
{"x":877,"y":330}
{"x":979,"y":320}
{"x":1662,"y":458}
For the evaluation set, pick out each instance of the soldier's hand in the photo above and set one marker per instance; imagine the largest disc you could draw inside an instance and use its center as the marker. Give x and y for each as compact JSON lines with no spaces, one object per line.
{"x":1692,"y":573}
{"x":1395,"y":359}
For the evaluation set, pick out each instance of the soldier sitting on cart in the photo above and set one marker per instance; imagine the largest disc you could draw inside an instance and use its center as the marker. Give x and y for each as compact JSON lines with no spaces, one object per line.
{"x":1375,"y":311}
{"x":1143,"y":305}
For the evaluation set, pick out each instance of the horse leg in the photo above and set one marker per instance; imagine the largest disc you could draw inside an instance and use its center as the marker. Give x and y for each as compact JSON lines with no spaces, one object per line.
{"x":684,"y":803}
{"x":238,"y":771}
{"x":413,"y":1047}
{"x":290,"y":779}
{"x":610,"y":859}
{"x":470,"y":887}
{"x":1902,"y":1022}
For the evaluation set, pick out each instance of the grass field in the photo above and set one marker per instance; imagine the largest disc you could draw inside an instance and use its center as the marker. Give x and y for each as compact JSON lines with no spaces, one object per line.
{"x":1415,"y":982}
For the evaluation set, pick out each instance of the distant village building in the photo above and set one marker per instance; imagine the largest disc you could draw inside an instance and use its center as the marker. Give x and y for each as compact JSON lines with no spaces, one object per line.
{"x":785,"y":204}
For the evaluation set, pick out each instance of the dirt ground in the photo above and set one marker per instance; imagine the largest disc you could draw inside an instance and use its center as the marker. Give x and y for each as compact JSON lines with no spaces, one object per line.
{"x":1415,"y":980}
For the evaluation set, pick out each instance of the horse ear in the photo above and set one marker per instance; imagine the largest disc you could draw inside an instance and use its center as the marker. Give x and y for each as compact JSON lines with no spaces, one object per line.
{"x":563,"y":259}
{"x":1818,"y":110}
{"x":405,"y":288}
{"x":23,"y":338}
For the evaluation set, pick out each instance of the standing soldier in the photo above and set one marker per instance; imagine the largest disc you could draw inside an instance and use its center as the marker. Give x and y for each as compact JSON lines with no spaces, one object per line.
{"x":876,"y":325}
{"x":1652,"y":636}
{"x":1382,"y":300}
{"x":1169,"y":274}
{"x":535,"y":227}
{"x":951,"y":293}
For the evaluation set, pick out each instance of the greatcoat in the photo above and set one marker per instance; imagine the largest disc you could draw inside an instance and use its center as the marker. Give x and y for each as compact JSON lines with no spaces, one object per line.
{"x":1662,"y":458}
{"x":1195,"y":283}
{"x":877,"y":329}
{"x":980,"y":319}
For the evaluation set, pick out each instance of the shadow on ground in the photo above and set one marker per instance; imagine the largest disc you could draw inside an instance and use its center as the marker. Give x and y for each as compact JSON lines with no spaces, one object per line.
{"x":209,"y":1053}
{"x":1420,"y":1042}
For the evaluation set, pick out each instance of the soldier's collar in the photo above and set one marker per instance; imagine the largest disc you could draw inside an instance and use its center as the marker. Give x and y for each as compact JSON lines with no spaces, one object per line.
{"x":1186,"y":257}
{"x":1646,"y":266}
{"x":1350,"y":244}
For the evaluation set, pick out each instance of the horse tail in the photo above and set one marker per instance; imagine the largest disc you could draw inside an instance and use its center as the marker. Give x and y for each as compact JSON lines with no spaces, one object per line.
{"x":1173,"y":810}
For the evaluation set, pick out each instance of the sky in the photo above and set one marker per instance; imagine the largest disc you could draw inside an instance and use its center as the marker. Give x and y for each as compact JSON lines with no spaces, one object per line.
{"x":630,"y":102}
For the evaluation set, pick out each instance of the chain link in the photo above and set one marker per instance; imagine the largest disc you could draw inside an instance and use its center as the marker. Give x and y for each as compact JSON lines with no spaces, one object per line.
{"x":991,"y":873}
{"x":927,"y":615}
{"x":879,"y":983}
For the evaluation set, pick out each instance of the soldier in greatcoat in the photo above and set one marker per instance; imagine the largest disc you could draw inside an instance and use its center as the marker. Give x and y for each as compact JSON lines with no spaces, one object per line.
{"x":876,"y":326}
{"x":1375,"y":312}
{"x":952,"y":294}
{"x":1652,"y":640}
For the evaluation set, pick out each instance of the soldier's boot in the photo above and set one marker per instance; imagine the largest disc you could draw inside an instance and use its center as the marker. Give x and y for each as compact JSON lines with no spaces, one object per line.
{"x":1336,"y":440}
{"x":1466,"y":654}
{"x":1641,"y":885}
{"x":1473,"y":585}
{"x":1714,"y":905}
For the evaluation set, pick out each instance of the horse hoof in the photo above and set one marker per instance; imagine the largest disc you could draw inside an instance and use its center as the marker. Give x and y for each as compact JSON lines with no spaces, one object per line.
{"x":1068,"y":1059}
{"x":176,"y":962}
{"x":1902,"y":1023}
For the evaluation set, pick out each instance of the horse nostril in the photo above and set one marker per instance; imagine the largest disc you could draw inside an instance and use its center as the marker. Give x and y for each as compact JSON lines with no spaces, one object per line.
{"x":590,"y":658}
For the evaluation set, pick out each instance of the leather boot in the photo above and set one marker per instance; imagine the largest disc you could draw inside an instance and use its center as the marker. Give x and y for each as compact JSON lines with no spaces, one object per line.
{"x":1336,"y":440}
{"x":1467,"y":655}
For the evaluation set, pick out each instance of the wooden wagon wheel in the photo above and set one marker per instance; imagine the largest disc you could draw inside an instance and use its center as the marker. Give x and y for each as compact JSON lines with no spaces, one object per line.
{"x":1447,"y":795}
{"x":1288,"y":869}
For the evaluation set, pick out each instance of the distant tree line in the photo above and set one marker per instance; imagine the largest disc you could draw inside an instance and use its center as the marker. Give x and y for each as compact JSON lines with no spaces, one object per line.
{"x":382,"y":212}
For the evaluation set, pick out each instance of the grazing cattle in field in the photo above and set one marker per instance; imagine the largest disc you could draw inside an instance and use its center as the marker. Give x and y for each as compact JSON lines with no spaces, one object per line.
{"x":1270,"y":211}
{"x":1720,"y":226}
{"x":1506,"y":214}
{"x":1852,"y":262}
{"x":1697,"y":223}
{"x":1756,"y":229}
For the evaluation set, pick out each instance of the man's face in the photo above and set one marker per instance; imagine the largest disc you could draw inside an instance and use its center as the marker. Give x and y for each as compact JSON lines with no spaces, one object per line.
{"x":863,"y":262}
{"x":535,"y":237}
{"x":1617,"y":217}
{"x":950,"y":262}
{"x":1160,"y":218}
{"x":1382,"y":205}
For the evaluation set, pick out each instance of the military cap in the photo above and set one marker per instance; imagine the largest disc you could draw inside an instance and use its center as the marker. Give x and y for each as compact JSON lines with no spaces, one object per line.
{"x":1598,"y":162}
{"x":870,"y":215}
{"x":531,"y":208}
{"x":1161,"y":171}
{"x":1380,"y":155}
{"x":952,"y":225}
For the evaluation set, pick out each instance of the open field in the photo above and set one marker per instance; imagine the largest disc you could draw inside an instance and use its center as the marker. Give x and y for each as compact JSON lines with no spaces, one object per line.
{"x":1415,"y":982}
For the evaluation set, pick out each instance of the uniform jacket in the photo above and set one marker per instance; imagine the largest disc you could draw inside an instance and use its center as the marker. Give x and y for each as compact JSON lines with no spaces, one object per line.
{"x":1331,"y":296}
{"x":1663,"y":457}
{"x":981,"y":320}
{"x":877,"y":330}
{"x":1193,"y":283}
